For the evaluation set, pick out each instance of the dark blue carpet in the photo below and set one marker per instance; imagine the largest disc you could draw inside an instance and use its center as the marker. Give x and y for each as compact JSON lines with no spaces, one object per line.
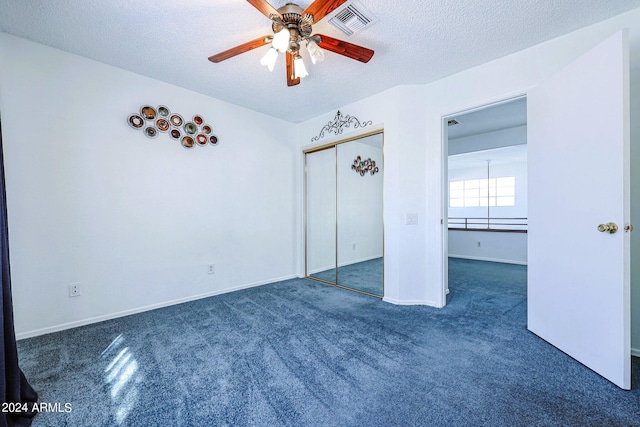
{"x":303,"y":353}
{"x":363,"y":276}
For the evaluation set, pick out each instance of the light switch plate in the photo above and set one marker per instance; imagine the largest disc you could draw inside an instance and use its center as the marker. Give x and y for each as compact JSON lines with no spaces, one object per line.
{"x":411,"y":219}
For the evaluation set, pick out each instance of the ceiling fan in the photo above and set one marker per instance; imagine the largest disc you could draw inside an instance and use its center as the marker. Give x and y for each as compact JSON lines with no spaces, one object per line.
{"x":291,"y":29}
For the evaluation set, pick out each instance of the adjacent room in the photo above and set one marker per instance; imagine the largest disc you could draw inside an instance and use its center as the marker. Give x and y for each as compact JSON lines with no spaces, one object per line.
{"x":486,"y":185}
{"x":260,"y":213}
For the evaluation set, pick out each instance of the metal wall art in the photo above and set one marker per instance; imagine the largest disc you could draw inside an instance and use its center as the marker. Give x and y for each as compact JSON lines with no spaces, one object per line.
{"x":152,"y":121}
{"x":364,"y":166}
{"x":339,"y":124}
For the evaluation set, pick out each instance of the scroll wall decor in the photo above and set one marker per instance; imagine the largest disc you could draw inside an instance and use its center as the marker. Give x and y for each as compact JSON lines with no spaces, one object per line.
{"x":160,"y":120}
{"x":364,"y":166}
{"x":338,"y":125}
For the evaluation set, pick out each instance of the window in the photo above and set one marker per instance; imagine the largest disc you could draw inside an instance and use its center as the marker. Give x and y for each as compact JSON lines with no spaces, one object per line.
{"x":483,"y":192}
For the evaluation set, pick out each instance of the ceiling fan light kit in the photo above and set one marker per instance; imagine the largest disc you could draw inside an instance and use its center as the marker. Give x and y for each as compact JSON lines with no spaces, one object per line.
{"x":316,"y":54}
{"x":269,"y":59}
{"x":292,"y":29}
{"x":299,"y":69}
{"x":281,"y":40}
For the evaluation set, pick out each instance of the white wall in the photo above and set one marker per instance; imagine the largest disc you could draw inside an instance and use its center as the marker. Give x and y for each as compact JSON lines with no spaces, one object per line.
{"x":494,"y":246}
{"x":489,"y":140}
{"x":134,"y":220}
{"x":413,"y":182}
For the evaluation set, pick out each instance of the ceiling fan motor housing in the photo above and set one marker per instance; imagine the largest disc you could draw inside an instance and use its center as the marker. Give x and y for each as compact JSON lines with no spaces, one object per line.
{"x":299,"y":26}
{"x":290,"y":8}
{"x":297,"y":21}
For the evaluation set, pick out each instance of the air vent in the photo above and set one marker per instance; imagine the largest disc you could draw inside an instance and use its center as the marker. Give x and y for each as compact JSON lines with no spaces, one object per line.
{"x":452,"y":122}
{"x":351,"y":18}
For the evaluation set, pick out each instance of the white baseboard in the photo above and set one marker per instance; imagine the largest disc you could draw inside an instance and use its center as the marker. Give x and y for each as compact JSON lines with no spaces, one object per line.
{"x":410,"y":302}
{"x":477,"y":258}
{"x":96,"y":319}
{"x":635,"y":352}
{"x":356,"y":261}
{"x":318,"y":270}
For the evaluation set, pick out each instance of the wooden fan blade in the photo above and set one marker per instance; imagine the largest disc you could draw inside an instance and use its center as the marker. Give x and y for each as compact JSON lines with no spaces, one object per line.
{"x":265,"y":8}
{"x":290,"y":80}
{"x":347,"y":49}
{"x":240,"y":49}
{"x":321,"y":8}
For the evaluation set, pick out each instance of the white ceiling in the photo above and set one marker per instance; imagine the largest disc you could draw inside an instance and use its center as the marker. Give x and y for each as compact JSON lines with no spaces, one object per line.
{"x":489,"y":119}
{"x":415,"y":42}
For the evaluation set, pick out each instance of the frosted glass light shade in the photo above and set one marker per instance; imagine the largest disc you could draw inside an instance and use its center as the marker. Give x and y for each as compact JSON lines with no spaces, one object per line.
{"x":316,"y":54}
{"x":281,"y":40}
{"x":269,"y":58}
{"x":299,"y":70}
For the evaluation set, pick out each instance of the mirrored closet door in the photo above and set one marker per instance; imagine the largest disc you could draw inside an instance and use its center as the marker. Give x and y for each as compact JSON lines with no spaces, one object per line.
{"x":344,"y":227}
{"x":321,"y":214}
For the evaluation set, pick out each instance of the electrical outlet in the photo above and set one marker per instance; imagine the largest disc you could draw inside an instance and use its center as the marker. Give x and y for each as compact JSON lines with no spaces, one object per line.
{"x":74,"y":289}
{"x":354,"y":247}
{"x":212,"y":269}
{"x":478,"y":244}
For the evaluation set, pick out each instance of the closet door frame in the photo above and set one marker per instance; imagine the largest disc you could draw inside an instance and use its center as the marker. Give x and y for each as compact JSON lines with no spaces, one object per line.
{"x":334,"y":145}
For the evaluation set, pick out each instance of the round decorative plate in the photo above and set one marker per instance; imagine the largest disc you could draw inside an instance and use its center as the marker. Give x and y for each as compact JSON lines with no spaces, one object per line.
{"x":198,"y":120}
{"x":163,"y":111}
{"x":162,"y":125}
{"x":206,"y":129}
{"x":135,"y":121}
{"x":176,"y":120}
{"x":187,"y":142}
{"x":190,"y":128}
{"x":201,"y":139}
{"x":175,"y":133}
{"x":148,"y":112}
{"x":213,"y":140}
{"x":150,"y":132}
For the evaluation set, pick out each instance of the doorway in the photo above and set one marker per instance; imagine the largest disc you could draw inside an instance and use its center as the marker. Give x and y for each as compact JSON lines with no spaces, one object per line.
{"x":578,"y":237}
{"x":485,"y":188}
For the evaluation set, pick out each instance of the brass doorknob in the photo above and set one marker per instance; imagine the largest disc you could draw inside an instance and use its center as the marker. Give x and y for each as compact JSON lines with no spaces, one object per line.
{"x":609,"y":227}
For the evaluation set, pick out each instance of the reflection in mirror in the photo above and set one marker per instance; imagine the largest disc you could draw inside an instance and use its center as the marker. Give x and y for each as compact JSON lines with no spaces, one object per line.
{"x":359,"y":214}
{"x":321,"y":214}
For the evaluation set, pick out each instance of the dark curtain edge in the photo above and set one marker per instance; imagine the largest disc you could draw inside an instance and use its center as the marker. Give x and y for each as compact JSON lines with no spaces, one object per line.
{"x":18,"y":397}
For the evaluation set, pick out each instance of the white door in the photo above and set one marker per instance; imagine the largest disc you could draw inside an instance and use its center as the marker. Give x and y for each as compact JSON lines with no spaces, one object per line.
{"x":578,"y":277}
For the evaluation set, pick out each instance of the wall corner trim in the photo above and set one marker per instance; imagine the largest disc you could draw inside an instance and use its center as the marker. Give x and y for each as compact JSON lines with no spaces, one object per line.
{"x":410,"y":302}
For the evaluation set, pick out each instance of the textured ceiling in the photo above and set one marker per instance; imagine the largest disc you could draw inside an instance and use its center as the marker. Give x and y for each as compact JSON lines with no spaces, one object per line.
{"x":415,"y":42}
